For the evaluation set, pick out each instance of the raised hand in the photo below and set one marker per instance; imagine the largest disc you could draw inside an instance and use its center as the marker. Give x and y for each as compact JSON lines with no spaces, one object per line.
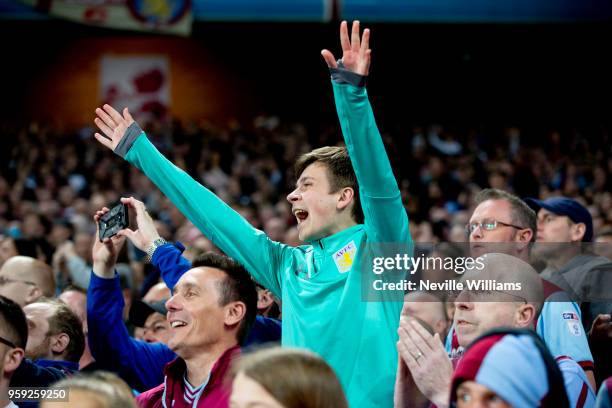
{"x":146,"y":232}
{"x":356,"y":53}
{"x":105,"y":253}
{"x":112,"y":125}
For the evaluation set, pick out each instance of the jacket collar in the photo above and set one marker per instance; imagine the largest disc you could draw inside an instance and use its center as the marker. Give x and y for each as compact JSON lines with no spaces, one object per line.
{"x":59,"y":364}
{"x":175,"y":370}
{"x":332,"y":243}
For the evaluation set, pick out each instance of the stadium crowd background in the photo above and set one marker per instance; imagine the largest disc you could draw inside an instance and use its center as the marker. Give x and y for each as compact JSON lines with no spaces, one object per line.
{"x":51,"y":179}
{"x":54,"y":177}
{"x":518,"y":106}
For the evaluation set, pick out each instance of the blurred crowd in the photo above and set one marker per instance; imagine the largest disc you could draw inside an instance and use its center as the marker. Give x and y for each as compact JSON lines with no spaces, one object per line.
{"x":52,"y":182}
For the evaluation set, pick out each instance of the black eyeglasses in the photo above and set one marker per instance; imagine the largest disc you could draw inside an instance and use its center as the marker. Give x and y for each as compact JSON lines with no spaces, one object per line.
{"x":7,"y":342}
{"x":4,"y":280}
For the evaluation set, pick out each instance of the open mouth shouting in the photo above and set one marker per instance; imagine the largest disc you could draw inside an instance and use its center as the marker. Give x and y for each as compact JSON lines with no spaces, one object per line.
{"x":300,"y":215}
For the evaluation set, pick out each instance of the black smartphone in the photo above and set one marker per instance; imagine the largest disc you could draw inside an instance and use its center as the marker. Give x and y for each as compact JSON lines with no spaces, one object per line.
{"x":113,"y":221}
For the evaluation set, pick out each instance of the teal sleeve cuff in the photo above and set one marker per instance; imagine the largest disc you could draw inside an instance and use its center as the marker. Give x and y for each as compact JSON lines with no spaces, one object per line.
{"x":342,"y":75}
{"x":131,"y":134}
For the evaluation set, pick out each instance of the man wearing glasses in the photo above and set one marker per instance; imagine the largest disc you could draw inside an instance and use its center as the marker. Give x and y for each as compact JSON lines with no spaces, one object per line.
{"x":13,"y":337}
{"x":502,"y":222}
{"x":24,"y":280}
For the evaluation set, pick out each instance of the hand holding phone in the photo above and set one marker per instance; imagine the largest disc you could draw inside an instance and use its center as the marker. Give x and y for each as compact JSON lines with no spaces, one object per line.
{"x":113,"y":221}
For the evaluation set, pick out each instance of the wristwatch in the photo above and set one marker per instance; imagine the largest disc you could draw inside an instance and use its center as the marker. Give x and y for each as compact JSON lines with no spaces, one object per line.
{"x":150,"y":250}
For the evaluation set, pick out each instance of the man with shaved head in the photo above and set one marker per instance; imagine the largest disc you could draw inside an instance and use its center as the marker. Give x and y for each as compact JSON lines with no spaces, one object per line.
{"x":157,"y":292}
{"x":25,"y":280}
{"x":477,"y":311}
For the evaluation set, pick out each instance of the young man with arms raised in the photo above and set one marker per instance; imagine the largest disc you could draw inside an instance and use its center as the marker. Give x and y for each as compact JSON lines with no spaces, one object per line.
{"x":344,"y":198}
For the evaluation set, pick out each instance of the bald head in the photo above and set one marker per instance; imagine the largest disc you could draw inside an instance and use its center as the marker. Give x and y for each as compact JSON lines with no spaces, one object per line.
{"x":509,"y":294}
{"x":157,"y":293}
{"x":25,"y":279}
{"x":508,"y":269}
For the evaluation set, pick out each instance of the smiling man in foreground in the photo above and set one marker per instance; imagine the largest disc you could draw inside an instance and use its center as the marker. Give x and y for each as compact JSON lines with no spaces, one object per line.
{"x":212,"y":308}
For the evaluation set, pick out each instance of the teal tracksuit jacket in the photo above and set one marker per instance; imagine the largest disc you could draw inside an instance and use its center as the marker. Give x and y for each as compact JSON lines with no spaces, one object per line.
{"x":320,"y":284}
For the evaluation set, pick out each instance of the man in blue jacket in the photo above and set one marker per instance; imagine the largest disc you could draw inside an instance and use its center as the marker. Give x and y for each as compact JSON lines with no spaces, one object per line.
{"x":346,"y":201}
{"x":138,"y":362}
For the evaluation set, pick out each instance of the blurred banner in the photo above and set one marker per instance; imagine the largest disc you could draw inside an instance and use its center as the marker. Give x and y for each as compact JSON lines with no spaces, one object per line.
{"x":141,"y":83}
{"x":175,"y":16}
{"x":164,"y":16}
{"x":263,"y":10}
{"x":168,"y":16}
{"x":476,"y":11}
